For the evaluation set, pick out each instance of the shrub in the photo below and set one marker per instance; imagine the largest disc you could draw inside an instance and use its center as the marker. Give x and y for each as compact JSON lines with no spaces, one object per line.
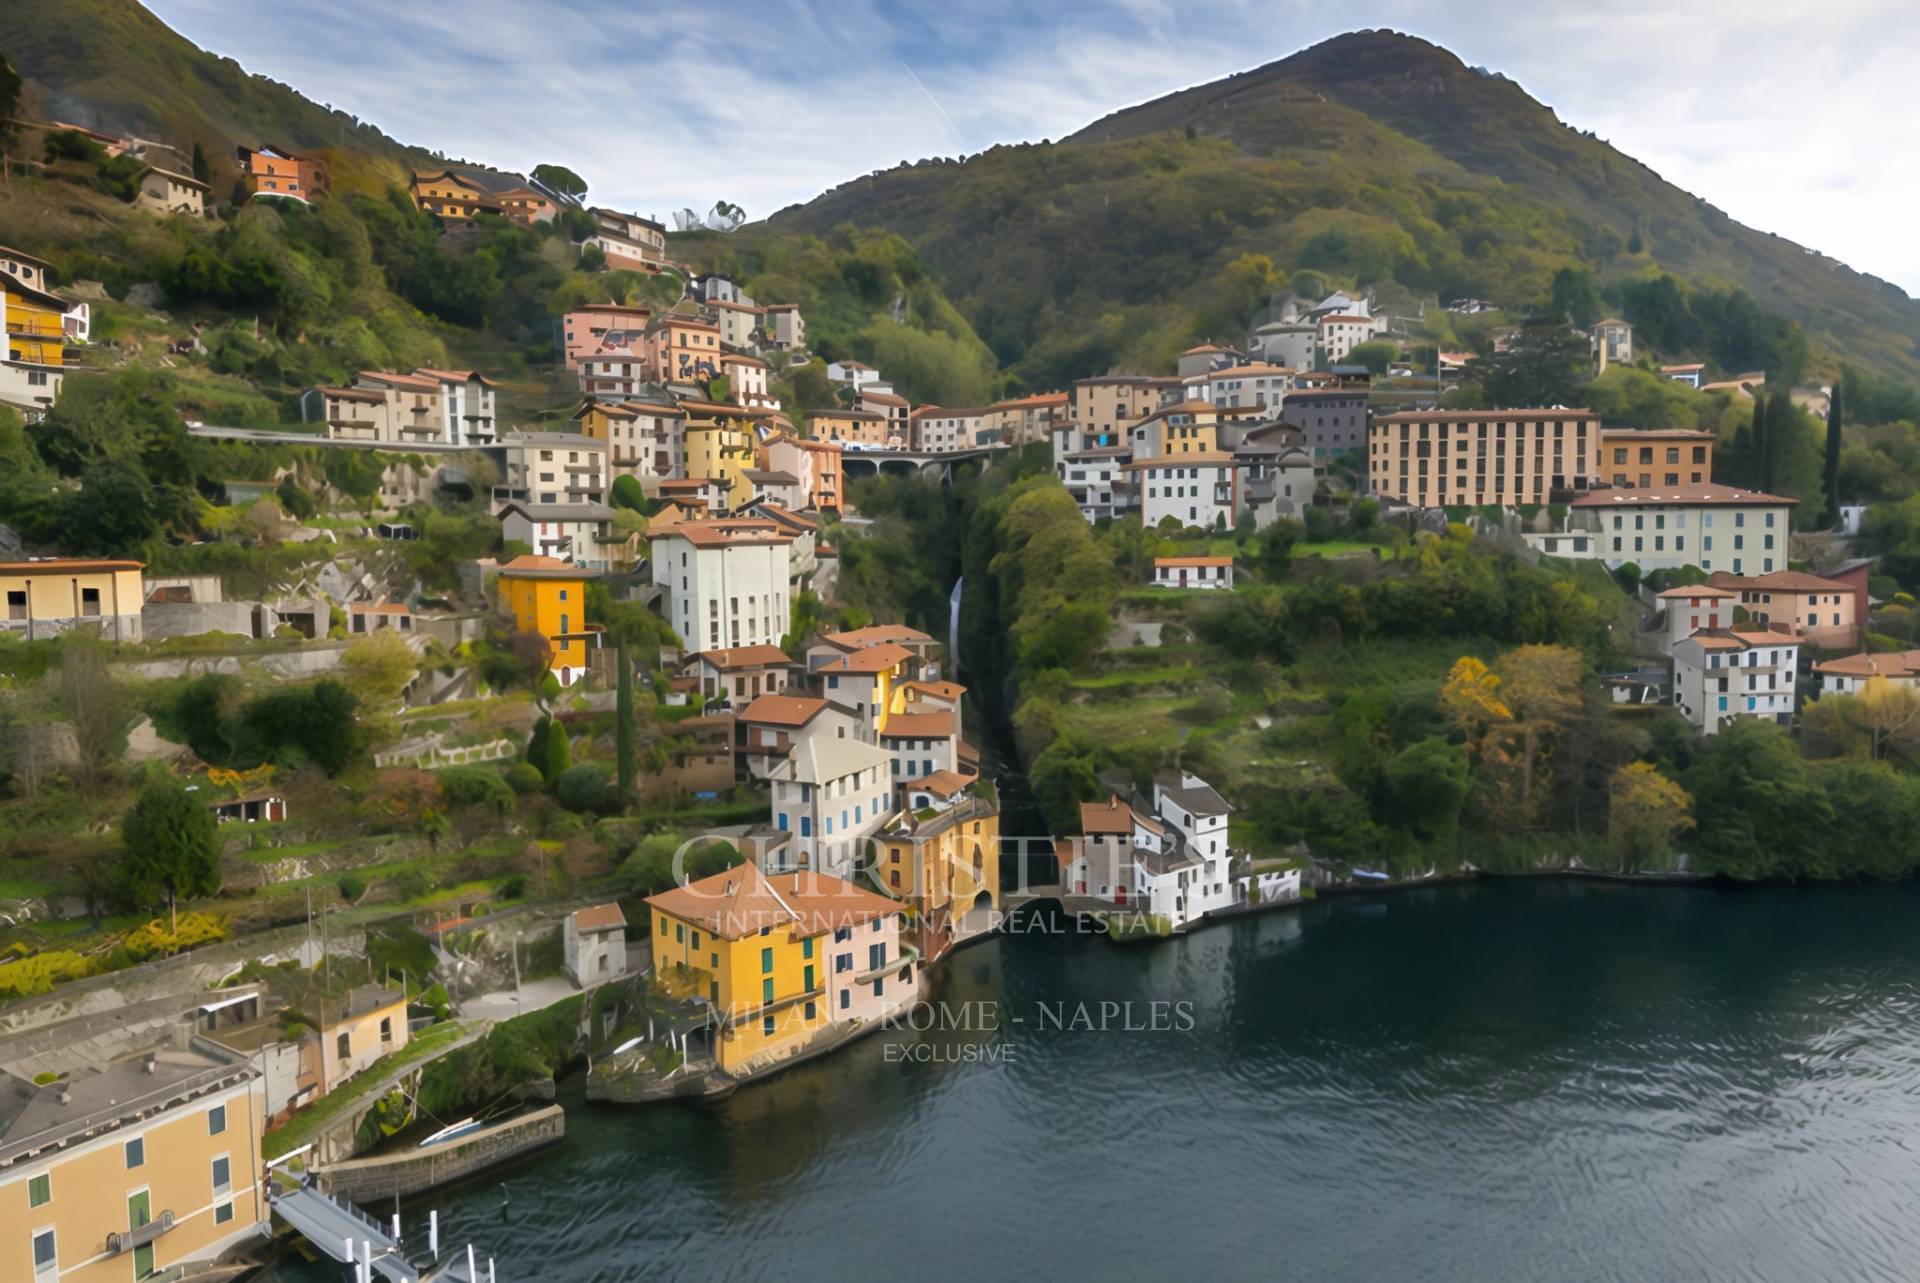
{"x":352,"y":888}
{"x":524,"y":778}
{"x":478,"y":786}
{"x":582,"y":788}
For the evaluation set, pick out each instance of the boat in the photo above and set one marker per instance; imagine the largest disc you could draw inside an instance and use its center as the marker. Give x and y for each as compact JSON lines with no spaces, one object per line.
{"x":452,"y":1130}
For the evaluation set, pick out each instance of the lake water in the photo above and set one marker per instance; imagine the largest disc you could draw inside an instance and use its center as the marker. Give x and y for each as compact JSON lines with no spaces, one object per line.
{"x":1523,"y":1080}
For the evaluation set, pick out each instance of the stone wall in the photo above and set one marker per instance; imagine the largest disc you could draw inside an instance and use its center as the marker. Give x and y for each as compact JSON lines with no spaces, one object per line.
{"x":372,"y":1181}
{"x":163,"y":619}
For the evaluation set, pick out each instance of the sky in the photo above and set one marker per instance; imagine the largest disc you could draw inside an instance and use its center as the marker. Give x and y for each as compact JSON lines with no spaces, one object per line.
{"x":1793,"y":118}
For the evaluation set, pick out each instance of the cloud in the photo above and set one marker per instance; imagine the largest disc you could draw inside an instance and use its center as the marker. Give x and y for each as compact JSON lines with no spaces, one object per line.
{"x":1788,"y":126}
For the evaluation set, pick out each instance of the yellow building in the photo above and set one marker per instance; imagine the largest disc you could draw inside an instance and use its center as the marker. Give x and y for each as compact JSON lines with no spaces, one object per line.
{"x":1192,"y":427}
{"x":452,"y":195}
{"x":52,"y":595}
{"x":781,"y":959}
{"x":719,"y":444}
{"x":35,"y":324}
{"x":941,"y":855}
{"x":116,"y":1171}
{"x":357,"y":1030}
{"x":547,"y":596}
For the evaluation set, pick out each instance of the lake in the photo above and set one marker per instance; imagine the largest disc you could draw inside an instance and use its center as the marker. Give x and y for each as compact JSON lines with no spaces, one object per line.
{"x":1518,"y":1080}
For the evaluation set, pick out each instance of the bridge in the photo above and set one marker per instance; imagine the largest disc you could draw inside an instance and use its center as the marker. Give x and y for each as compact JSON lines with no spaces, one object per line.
{"x":268,"y":436}
{"x":872,"y":462}
{"x":342,"y":1232}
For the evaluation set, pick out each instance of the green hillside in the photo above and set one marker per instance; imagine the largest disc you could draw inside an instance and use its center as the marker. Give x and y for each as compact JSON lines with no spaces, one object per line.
{"x":1375,"y":159}
{"x":112,"y":65}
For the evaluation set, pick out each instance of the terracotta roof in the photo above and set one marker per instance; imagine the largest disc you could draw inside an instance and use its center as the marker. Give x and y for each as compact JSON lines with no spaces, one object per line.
{"x":873,"y":634}
{"x":400,"y":380}
{"x":1209,"y":347}
{"x":455,"y":376}
{"x":734,"y":533}
{"x":1033,"y":402}
{"x":937,"y":725}
{"x":1202,"y":457}
{"x":533,"y":565}
{"x":1780,"y":581}
{"x":783,"y":710}
{"x":785,"y":516}
{"x":1705,"y":494}
{"x":742,"y":657}
{"x":741,"y":358}
{"x":1682,"y":369}
{"x":1193,"y":561}
{"x":884,"y":398}
{"x":599,"y":917}
{"x":1696,"y":590}
{"x":1655,"y":434}
{"x":868,"y":659}
{"x":1904,"y":663}
{"x":732,"y":904}
{"x":1190,"y":407}
{"x":379,"y":608}
{"x":1110,"y":816}
{"x":1257,"y":369}
{"x":823,"y":903}
{"x":945,"y":783}
{"x":939,"y":690}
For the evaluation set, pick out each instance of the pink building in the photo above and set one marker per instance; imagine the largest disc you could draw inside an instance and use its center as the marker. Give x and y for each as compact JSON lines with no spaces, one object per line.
{"x":582,"y":329}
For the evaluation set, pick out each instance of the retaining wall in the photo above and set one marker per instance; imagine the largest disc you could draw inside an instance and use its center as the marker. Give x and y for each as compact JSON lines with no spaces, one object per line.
{"x":372,"y":1180}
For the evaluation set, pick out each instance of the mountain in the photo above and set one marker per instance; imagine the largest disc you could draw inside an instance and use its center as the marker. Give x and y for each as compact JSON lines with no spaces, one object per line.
{"x":1374,"y":158}
{"x":112,"y":65}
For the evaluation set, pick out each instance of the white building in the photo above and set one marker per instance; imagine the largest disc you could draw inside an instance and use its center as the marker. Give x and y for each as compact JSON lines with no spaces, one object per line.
{"x":1097,"y":481}
{"x":937,"y":430}
{"x":1719,"y":676}
{"x":921,"y":744}
{"x":1340,"y":334}
{"x":1193,"y":572}
{"x":726,"y":582}
{"x":550,"y":467}
{"x":583,"y":534}
{"x":1259,"y":385}
{"x":1174,"y":865}
{"x":829,"y":795}
{"x":1711,"y":526}
{"x":594,"y":944}
{"x":466,"y":405}
{"x":855,"y":374}
{"x":1695,"y":608}
{"x":1196,"y":490}
{"x":1850,"y":674}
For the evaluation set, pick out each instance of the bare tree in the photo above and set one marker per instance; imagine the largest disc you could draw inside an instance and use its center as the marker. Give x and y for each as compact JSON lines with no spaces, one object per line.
{"x":92,"y":702}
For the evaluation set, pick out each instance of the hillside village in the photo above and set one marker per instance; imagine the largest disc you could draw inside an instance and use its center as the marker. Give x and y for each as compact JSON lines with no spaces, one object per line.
{"x":606,"y":705}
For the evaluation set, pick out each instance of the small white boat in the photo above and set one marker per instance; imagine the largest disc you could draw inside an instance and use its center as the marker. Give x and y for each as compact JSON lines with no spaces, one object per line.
{"x":452,"y":1130}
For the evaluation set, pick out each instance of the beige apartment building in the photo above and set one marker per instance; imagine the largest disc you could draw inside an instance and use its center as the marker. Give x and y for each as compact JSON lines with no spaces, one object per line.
{"x":1437,"y":458}
{"x":1100,"y":411}
{"x":1644,"y":458}
{"x":123,"y":1170}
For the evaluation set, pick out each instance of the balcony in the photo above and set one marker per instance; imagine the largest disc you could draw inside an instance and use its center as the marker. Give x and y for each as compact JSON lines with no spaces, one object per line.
{"x":907,"y":956}
{"x":39,"y":326}
{"x":125,"y":1241}
{"x":734,"y":1019}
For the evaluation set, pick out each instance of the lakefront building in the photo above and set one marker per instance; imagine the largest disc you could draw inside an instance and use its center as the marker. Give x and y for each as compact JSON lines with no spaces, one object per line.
{"x":1714,"y":527}
{"x":129,"y":1169}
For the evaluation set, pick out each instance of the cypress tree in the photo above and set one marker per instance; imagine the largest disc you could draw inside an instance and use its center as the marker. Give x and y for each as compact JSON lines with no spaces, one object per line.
{"x":1782,"y":421}
{"x":1758,"y":456}
{"x":1833,"y":455}
{"x":201,"y":169}
{"x":623,"y":721}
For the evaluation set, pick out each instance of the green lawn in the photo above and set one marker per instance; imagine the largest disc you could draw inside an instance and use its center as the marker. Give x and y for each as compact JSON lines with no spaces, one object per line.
{"x":1336,"y":548}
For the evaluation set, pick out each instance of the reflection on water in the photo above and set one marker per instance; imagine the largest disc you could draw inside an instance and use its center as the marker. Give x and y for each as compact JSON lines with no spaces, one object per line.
{"x":1516,"y":1081}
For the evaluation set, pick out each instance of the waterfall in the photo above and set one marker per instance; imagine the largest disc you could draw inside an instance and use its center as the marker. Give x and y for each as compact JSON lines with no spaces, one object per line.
{"x":953,"y":630}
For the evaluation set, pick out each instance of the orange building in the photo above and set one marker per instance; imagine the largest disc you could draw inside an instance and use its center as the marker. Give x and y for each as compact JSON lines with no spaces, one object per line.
{"x":449,"y":194}
{"x":547,"y":596}
{"x":275,"y":171}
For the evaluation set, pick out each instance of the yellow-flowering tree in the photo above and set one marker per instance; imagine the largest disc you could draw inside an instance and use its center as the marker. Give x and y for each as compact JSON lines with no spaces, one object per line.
{"x":1646,"y":811}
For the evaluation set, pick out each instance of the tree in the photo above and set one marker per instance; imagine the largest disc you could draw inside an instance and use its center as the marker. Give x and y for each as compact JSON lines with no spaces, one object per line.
{"x":560,"y":179}
{"x":1541,"y":365}
{"x":93,"y":703}
{"x":169,"y":848}
{"x":582,"y":787}
{"x":549,"y":750}
{"x":1471,"y":696}
{"x":627,"y":493}
{"x":1890,"y":712}
{"x":201,"y":169}
{"x":1376,"y":355}
{"x":1575,"y":297}
{"x":1759,"y":811}
{"x":377,"y":669}
{"x":10,"y":86}
{"x":623,"y":728}
{"x":313,"y":723}
{"x":1276,"y":546}
{"x":1646,"y":811}
{"x":1426,"y":785}
{"x":1831,"y":474}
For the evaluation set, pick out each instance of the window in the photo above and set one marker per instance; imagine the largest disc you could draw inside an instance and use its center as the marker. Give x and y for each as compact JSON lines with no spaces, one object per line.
{"x":136,"y":1153}
{"x":216,"y":1120}
{"x":812,"y":1012}
{"x":40,"y":1190}
{"x":386,"y":1029}
{"x":46,"y":1259}
{"x":222,"y":1175}
{"x":766,"y":1025}
{"x":766,"y":990}
{"x":842,"y":962}
{"x":806,"y":950}
{"x":223,"y":1213}
{"x":342,"y":1047}
{"x":766,"y":961}
{"x":679,"y":932}
{"x":846,"y":996}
